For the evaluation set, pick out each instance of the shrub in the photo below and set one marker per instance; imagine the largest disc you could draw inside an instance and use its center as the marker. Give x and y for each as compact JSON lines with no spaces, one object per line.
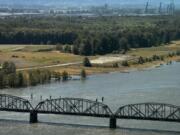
{"x":171,"y":54}
{"x":86,"y":62}
{"x":57,"y":76}
{"x":162,"y":58}
{"x":115,"y":65}
{"x":156,"y":57}
{"x":125,"y":63}
{"x":141,"y":60}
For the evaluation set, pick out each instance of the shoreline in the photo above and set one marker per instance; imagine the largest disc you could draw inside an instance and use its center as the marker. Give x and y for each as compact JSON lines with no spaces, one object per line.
{"x":74,"y":70}
{"x":139,"y":67}
{"x":143,"y":67}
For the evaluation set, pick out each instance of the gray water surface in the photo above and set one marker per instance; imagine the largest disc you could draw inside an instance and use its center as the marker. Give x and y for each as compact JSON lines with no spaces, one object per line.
{"x":160,"y":85}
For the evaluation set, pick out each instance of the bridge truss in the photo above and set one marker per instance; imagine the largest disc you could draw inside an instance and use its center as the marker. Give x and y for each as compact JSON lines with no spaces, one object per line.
{"x":13,"y":103}
{"x":149,"y":111}
{"x":74,"y":106}
{"x":84,"y":107}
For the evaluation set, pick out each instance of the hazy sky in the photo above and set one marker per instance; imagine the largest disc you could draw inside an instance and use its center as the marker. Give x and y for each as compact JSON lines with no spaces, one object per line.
{"x":85,"y":2}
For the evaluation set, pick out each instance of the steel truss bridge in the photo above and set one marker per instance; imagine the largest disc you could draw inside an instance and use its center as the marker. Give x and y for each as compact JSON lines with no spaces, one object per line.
{"x":84,"y":107}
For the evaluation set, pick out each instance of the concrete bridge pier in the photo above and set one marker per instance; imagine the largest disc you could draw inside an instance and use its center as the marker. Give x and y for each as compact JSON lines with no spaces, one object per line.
{"x":112,"y":122}
{"x":33,"y":117}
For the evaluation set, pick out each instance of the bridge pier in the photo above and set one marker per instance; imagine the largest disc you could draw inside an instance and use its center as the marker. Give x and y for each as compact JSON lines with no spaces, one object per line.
{"x":112,"y":122}
{"x":33,"y":117}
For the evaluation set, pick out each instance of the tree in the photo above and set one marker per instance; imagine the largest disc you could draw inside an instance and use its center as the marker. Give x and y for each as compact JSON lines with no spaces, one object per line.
{"x":124,"y":44}
{"x":86,"y":62}
{"x":83,"y":74}
{"x":11,"y":80}
{"x":67,"y":49}
{"x":32,"y":79}
{"x":167,"y":38}
{"x":86,"y":48}
{"x":20,"y":79}
{"x":75,"y":50}
{"x":65,"y":76}
{"x":1,"y":79}
{"x":104,"y":45}
{"x":5,"y":67}
{"x":9,"y":67}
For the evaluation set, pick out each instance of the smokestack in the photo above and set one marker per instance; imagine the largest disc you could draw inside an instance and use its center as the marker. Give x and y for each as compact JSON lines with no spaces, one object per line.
{"x":160,"y":8}
{"x":171,"y":8}
{"x":146,"y":8}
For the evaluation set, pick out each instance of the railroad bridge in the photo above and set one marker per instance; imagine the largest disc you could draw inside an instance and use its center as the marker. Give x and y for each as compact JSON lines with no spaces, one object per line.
{"x":84,"y":107}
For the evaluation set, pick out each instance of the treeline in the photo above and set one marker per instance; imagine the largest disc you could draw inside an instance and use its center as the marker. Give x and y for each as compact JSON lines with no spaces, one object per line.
{"x":90,"y":36}
{"x":37,"y":37}
{"x":10,"y":78}
{"x":121,"y":42}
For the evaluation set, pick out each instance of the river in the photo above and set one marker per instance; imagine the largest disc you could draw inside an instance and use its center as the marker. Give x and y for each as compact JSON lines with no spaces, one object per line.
{"x":154,"y":85}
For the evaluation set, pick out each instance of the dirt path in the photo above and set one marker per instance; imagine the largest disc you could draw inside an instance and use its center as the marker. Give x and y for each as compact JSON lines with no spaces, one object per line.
{"x":50,"y":66}
{"x":100,"y":60}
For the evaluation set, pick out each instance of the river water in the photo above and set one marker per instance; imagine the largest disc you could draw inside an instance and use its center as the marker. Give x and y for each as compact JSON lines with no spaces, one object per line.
{"x":160,"y":85}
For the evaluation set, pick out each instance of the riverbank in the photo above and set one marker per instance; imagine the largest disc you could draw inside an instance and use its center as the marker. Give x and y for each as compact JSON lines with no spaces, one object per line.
{"x":30,"y":57}
{"x":75,"y":69}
